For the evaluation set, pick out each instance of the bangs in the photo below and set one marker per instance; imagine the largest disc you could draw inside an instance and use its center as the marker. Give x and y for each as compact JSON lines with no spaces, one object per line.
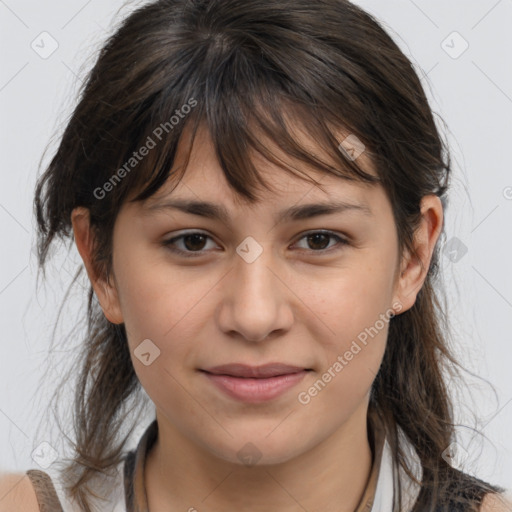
{"x":247,"y":109}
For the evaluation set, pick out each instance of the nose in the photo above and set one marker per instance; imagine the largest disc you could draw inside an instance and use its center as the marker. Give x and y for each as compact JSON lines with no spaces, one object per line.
{"x":255,"y":302}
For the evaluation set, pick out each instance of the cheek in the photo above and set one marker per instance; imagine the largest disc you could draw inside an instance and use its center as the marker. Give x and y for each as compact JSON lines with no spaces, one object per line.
{"x":167,"y":312}
{"x":165,"y":308}
{"x":352,"y":354}
{"x":351,"y":300}
{"x":355,"y":304}
{"x":157,"y":301}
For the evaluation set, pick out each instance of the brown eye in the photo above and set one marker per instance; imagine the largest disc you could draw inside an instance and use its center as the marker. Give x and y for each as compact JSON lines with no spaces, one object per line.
{"x":190,"y":244}
{"x":194,"y":242}
{"x":318,"y":241}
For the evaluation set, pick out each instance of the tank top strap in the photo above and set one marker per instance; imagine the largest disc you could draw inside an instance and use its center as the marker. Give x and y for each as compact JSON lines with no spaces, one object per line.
{"x":134,"y":471}
{"x":129,"y":472}
{"x":45,"y":491}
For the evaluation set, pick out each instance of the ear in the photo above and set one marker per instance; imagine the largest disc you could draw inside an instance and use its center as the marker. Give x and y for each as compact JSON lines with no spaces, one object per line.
{"x":106,"y":292}
{"x":413,"y":270}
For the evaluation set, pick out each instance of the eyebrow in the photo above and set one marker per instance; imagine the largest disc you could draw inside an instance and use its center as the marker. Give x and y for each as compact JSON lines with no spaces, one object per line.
{"x":218,"y":212}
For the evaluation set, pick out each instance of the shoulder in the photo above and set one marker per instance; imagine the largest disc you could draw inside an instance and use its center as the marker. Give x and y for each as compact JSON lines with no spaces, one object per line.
{"x":17,"y":493}
{"x":496,"y":503}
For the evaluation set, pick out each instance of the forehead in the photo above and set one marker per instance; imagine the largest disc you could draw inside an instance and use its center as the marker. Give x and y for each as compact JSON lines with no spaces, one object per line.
{"x":203,"y":176}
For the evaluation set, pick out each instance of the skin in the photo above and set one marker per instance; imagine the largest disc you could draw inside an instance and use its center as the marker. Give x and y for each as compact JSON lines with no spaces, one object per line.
{"x":297,"y":303}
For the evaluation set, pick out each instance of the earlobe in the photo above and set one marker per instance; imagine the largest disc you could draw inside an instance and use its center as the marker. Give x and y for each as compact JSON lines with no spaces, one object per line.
{"x":415,"y":267}
{"x":105,"y":292}
{"x":109,"y":301}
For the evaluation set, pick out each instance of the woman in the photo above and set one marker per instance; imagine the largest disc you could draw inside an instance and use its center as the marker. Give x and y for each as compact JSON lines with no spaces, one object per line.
{"x":256,"y":190}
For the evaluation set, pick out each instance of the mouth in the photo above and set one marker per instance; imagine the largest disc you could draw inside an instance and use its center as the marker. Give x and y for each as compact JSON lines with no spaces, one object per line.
{"x":255,"y":372}
{"x":255,"y":384}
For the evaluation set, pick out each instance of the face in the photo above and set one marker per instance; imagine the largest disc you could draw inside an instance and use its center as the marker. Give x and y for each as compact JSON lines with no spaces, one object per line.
{"x":316,"y":293}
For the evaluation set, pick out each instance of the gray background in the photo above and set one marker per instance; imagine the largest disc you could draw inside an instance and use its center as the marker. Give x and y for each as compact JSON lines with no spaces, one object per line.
{"x":470,"y":90}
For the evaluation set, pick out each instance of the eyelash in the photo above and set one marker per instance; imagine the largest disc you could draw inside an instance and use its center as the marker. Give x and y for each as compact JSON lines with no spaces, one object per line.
{"x":194,"y":254}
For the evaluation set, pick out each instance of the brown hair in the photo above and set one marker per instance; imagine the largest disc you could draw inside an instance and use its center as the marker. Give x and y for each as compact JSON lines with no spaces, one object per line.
{"x":240,"y":66}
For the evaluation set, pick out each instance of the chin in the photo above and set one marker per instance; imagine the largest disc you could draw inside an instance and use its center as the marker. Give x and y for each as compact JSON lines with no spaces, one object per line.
{"x":257,"y":450}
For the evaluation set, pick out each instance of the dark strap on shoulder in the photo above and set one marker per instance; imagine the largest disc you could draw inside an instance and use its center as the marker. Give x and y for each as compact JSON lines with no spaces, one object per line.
{"x":468,"y":490}
{"x":45,"y":491}
{"x":129,"y":470}
{"x":134,"y":471}
{"x":458,"y":492}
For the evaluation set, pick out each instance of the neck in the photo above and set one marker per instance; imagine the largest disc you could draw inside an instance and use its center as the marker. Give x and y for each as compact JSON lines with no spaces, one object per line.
{"x":331,"y":476}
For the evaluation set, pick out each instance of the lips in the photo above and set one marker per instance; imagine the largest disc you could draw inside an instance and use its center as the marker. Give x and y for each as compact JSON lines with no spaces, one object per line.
{"x":255,"y":384}
{"x":255,"y":372}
